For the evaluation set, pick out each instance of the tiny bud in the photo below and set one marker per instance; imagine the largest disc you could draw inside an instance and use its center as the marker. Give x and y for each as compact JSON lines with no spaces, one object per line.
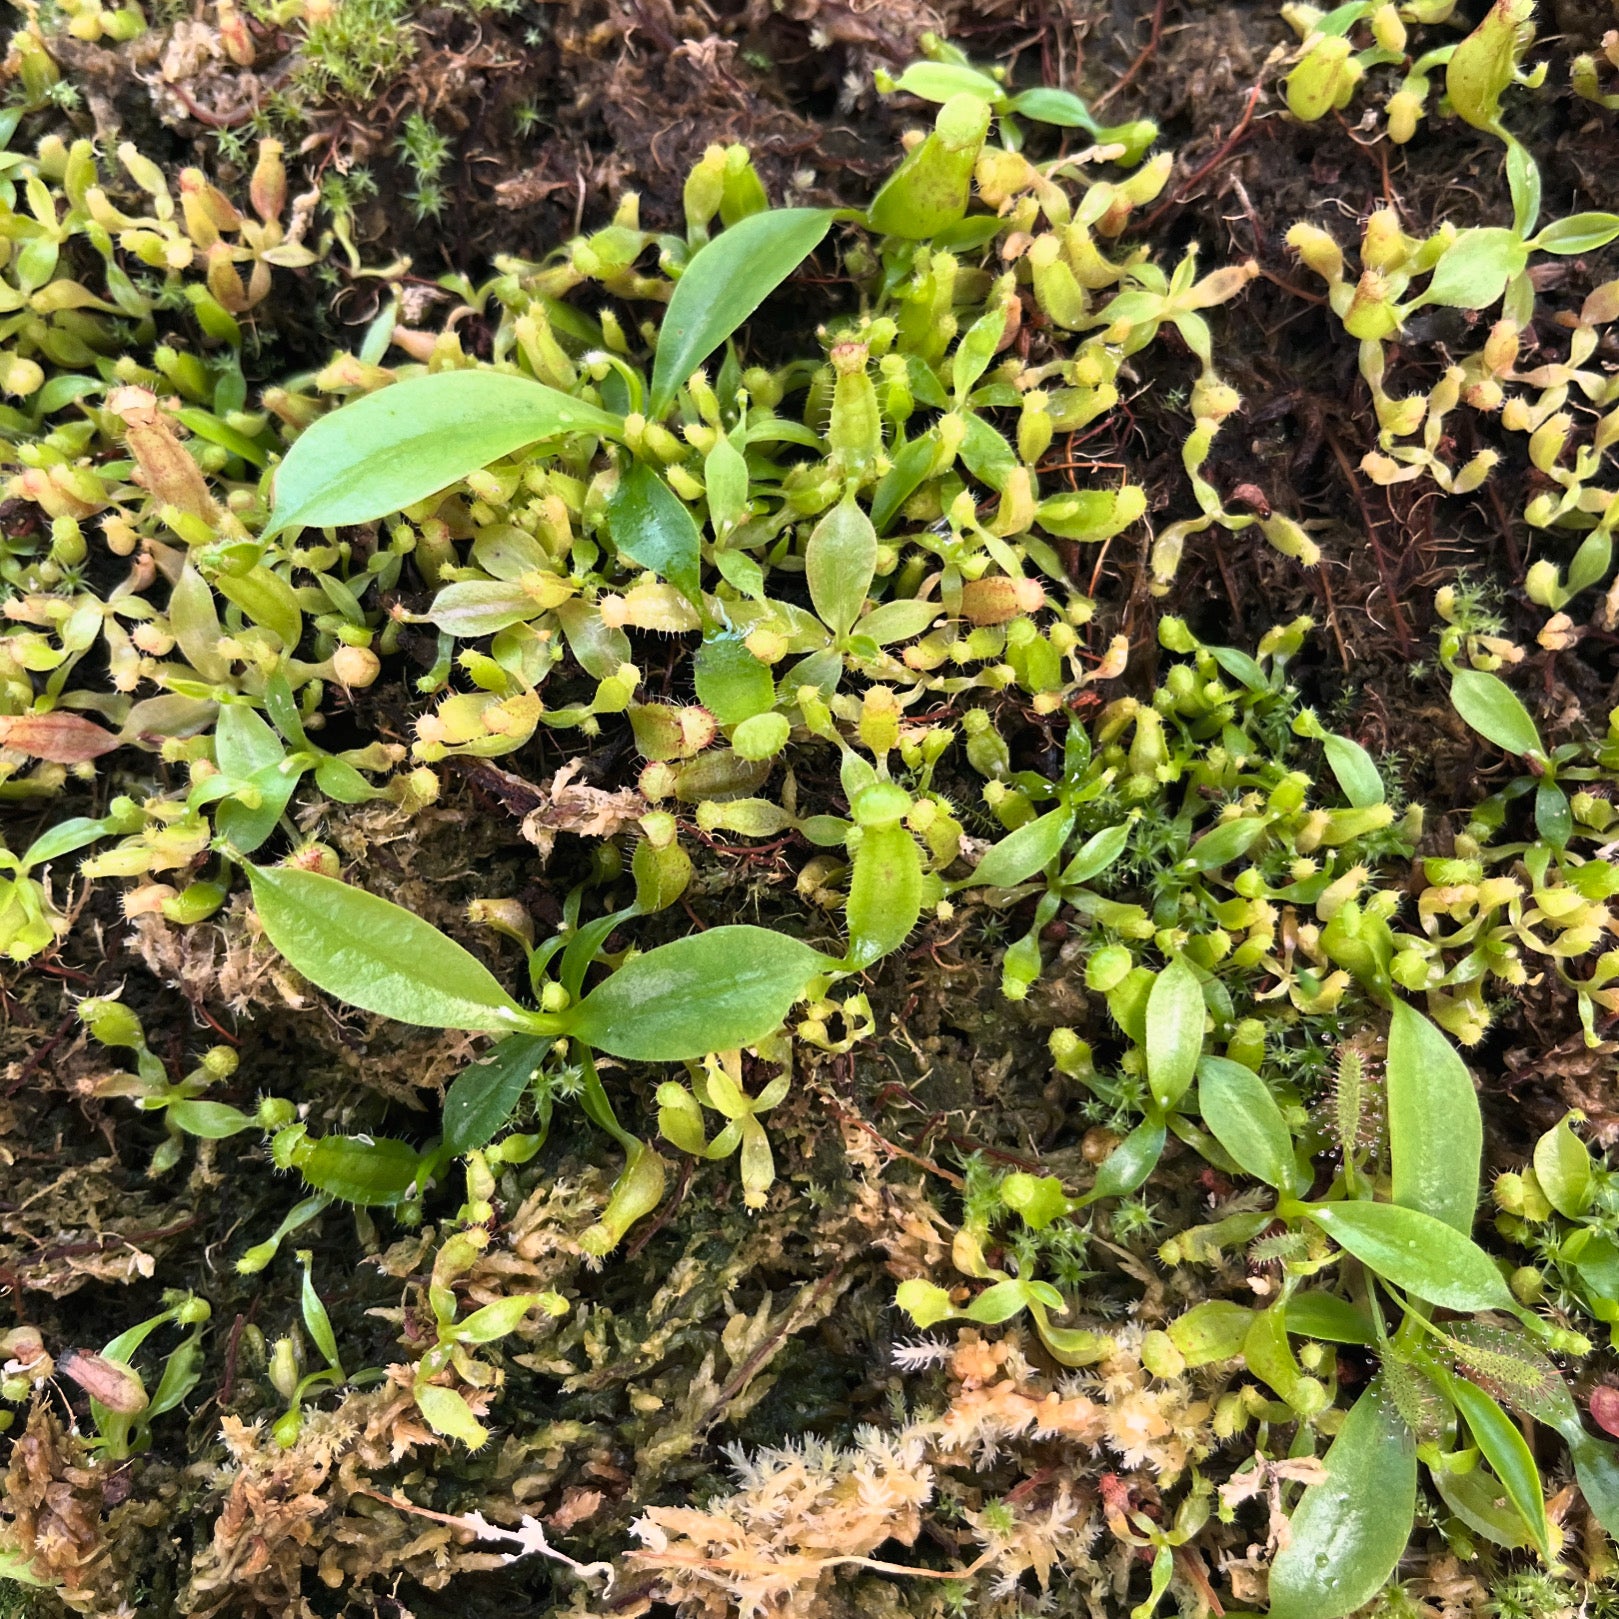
{"x":355,"y":666}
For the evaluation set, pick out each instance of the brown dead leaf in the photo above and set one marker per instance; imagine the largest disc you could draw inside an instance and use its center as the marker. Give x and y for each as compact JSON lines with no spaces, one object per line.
{"x":587,"y":812}
{"x":63,"y":739}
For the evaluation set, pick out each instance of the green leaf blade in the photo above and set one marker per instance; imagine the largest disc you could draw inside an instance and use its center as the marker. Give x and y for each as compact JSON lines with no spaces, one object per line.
{"x":484,"y":1095}
{"x":1349,"y":1532}
{"x":1436,"y":1131}
{"x":1238,"y":1107}
{"x":376,"y":955}
{"x":725,"y":282}
{"x":1174,"y":1032}
{"x":1416,"y":1253}
{"x":1491,"y":707}
{"x":715,"y":991}
{"x":1020,"y":854}
{"x":651,"y":525}
{"x":390,"y":449}
{"x":1506,"y":1450}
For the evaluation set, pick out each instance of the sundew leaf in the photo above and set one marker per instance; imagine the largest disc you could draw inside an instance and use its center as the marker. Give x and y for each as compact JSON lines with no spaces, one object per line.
{"x":376,"y":955}
{"x":1174,"y":1032}
{"x":1238,"y":1107}
{"x":1349,"y":1532}
{"x":725,"y":282}
{"x":714,"y":991}
{"x":1436,"y":1131}
{"x":1416,"y":1253}
{"x":389,"y":449}
{"x":1491,"y":707}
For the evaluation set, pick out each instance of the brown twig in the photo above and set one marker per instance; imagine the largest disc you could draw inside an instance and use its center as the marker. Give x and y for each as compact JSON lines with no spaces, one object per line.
{"x":1147,"y":53}
{"x":1226,"y":148}
{"x":1402,"y":630}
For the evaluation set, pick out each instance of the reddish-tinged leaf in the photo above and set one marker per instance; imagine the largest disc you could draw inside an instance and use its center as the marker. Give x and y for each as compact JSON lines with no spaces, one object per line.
{"x":63,"y":739}
{"x":1605,"y":1409}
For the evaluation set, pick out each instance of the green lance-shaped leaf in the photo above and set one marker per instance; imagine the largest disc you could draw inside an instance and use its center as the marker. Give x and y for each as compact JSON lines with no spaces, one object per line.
{"x":389,"y":449}
{"x":1349,"y":1531}
{"x":376,"y":955}
{"x":1436,"y":1133}
{"x":1505,"y":1449}
{"x":839,"y":562}
{"x":1238,"y":1107}
{"x":1416,"y":1253}
{"x":1020,"y":854}
{"x":714,"y":991}
{"x":649,"y":524}
{"x":1491,"y":707}
{"x":485,"y":1094}
{"x":725,"y":282}
{"x":1578,"y":233}
{"x":1174,"y":1032}
{"x":1096,"y":854}
{"x":1129,"y":1164}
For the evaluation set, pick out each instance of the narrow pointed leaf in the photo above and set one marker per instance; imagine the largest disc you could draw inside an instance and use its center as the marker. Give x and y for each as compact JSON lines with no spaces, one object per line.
{"x":1506,"y":1450}
{"x":1020,"y":854}
{"x":725,"y":282}
{"x":389,"y":449}
{"x":376,"y":955}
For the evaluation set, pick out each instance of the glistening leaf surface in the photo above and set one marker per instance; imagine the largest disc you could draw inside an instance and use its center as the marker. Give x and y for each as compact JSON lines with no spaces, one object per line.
{"x":376,"y":955}
{"x":1416,"y":1253}
{"x":1348,"y":1533}
{"x":714,"y":991}
{"x":725,"y":282}
{"x":403,"y":443}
